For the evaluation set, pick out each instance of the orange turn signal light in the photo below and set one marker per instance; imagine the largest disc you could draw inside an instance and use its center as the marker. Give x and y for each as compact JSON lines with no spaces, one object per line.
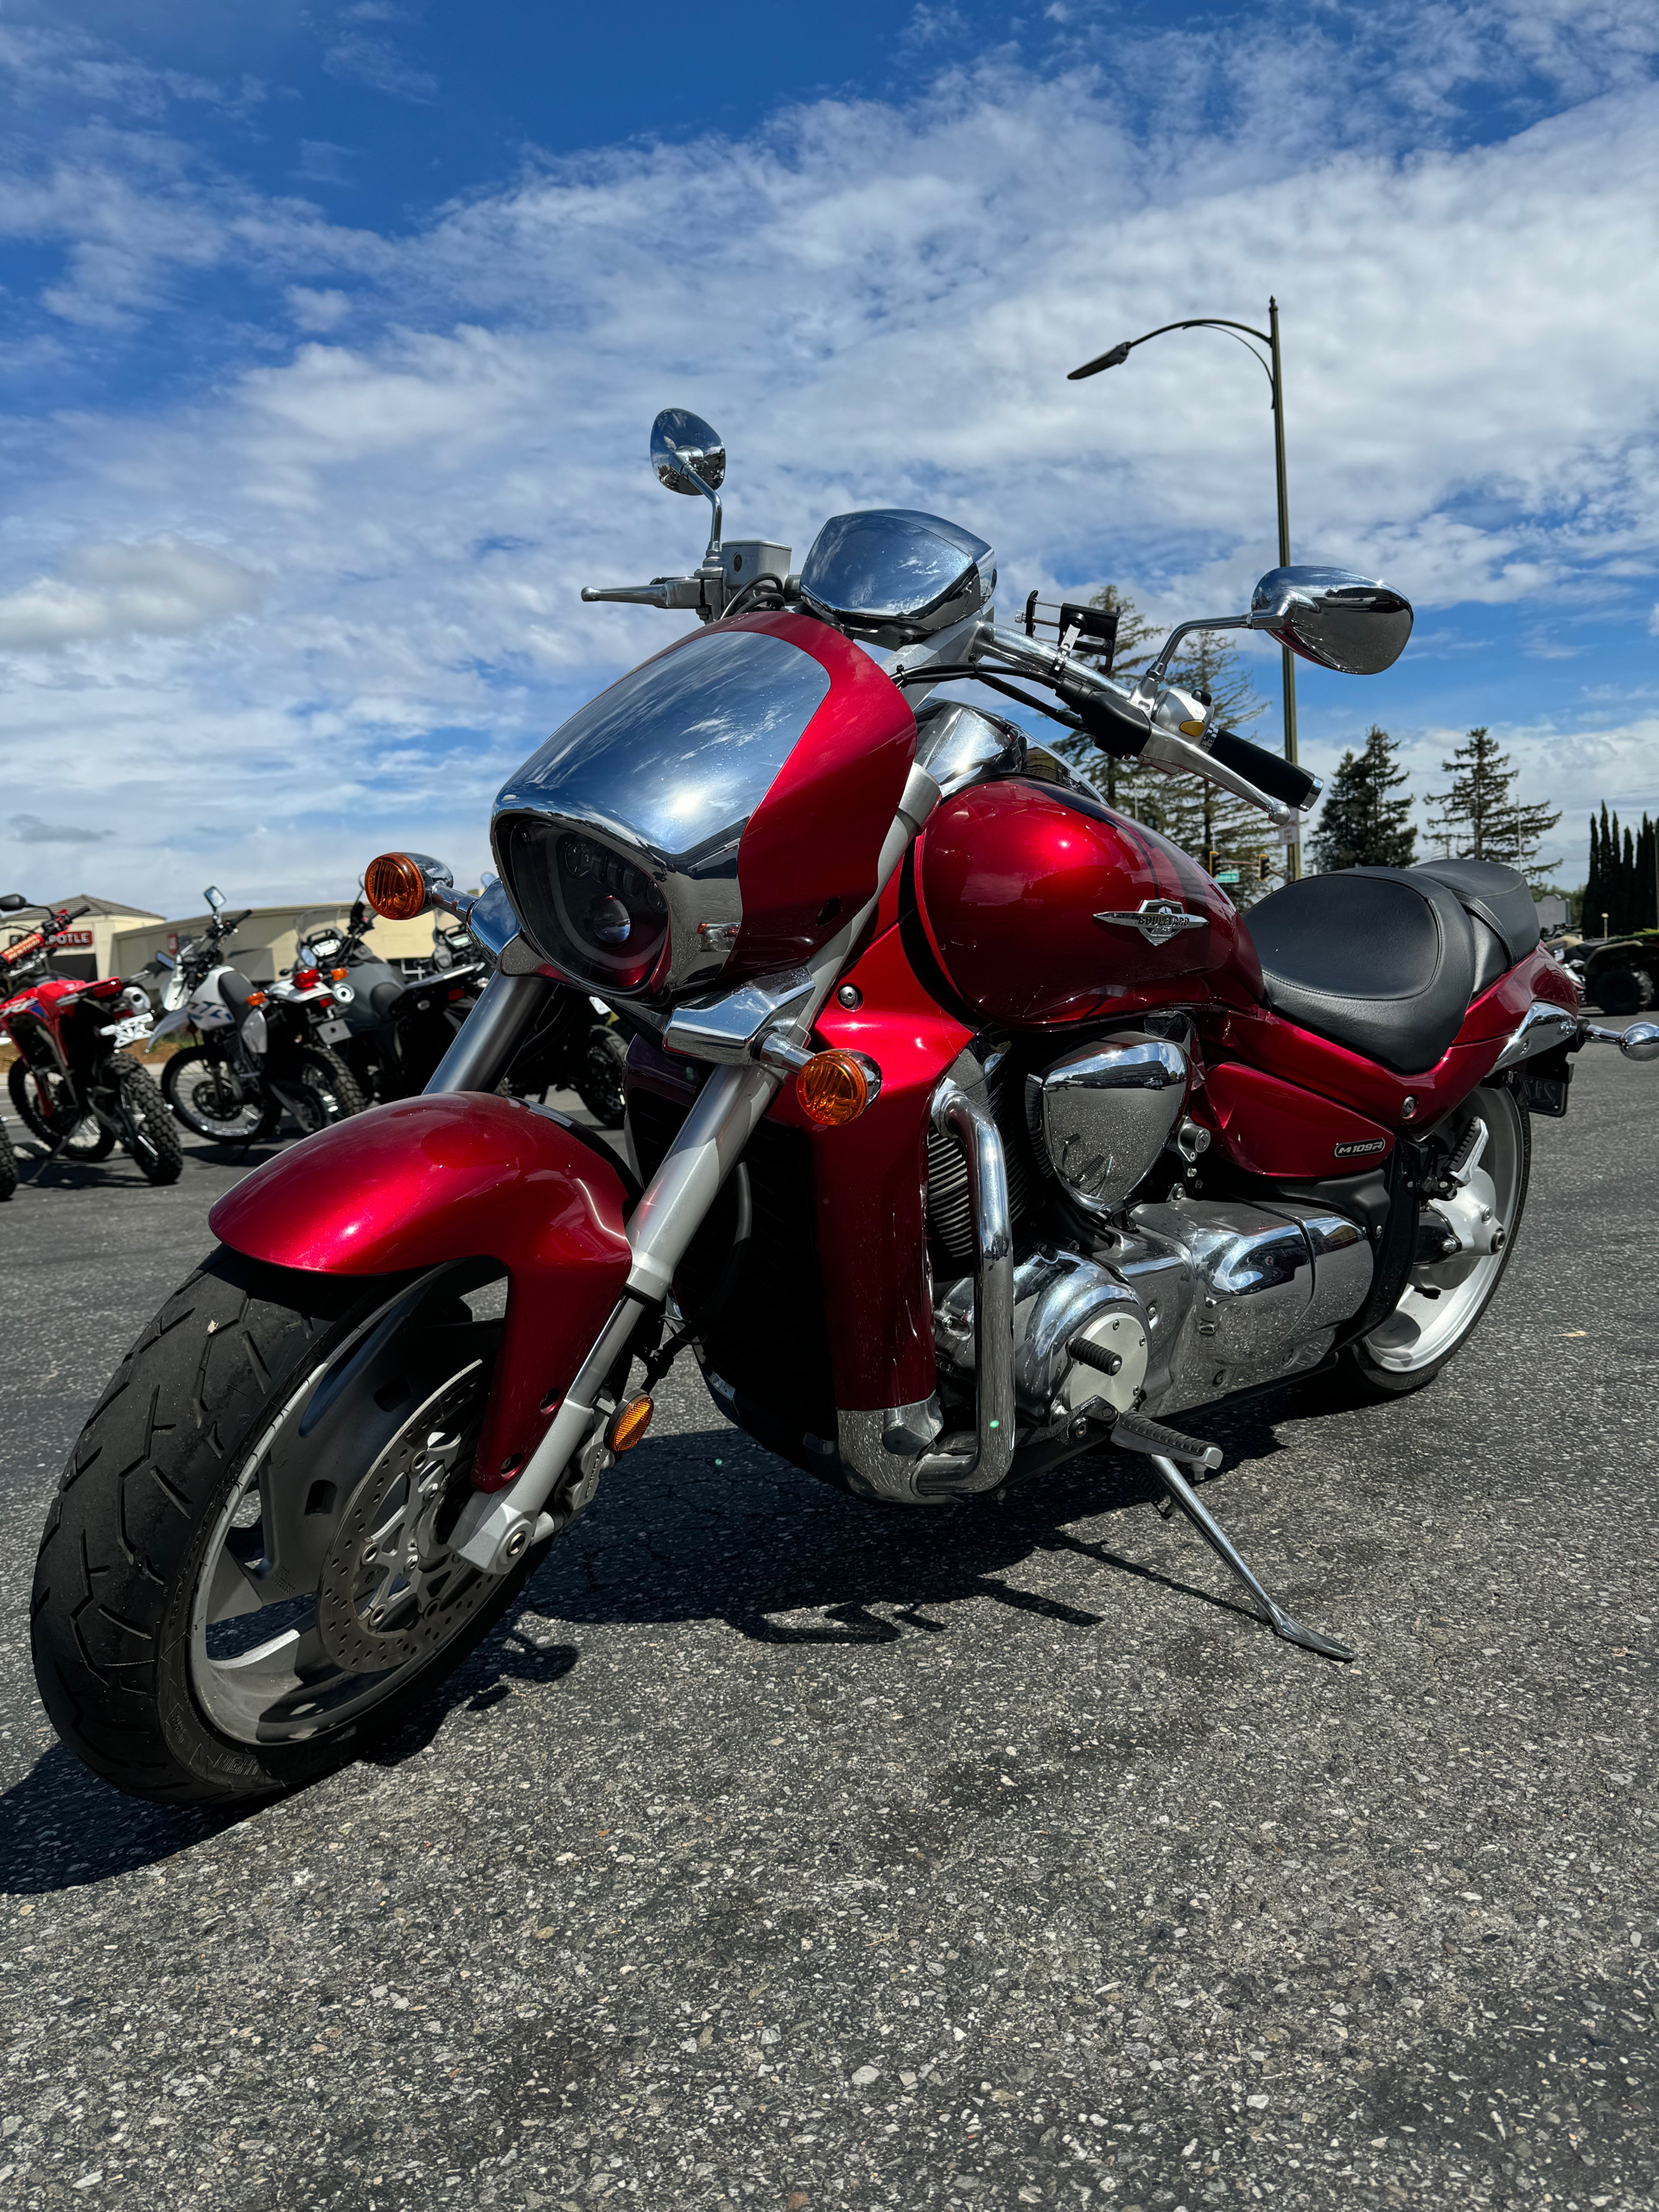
{"x":256,"y":998}
{"x":630,"y":1425}
{"x":834,"y":1088}
{"x":395,"y":887}
{"x":338,"y":975}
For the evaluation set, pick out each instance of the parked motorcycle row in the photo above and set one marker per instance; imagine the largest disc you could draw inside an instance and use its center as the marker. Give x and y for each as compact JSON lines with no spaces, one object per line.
{"x":971,"y":1128}
{"x":340,"y":1029}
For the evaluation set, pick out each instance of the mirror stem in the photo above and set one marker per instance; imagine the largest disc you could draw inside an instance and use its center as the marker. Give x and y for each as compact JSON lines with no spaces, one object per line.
{"x":1292,"y":853}
{"x":712,"y":498}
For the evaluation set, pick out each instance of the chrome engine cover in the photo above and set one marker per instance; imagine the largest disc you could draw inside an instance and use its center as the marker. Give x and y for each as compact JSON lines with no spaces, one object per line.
{"x":1059,"y":1299}
{"x":1239,"y":1294}
{"x":1105,"y":1112}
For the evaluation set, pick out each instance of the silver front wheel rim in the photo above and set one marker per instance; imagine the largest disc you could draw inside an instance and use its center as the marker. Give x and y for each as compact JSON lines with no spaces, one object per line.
{"x":327,"y":1582}
{"x":1443,"y":1301}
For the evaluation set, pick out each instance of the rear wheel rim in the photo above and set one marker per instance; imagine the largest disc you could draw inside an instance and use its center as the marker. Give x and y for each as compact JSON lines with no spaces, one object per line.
{"x":205,"y":1096}
{"x":282,"y":1648}
{"x":1424,"y":1331}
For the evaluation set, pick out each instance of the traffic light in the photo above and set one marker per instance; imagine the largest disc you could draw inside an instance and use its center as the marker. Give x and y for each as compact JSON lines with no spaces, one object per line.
{"x":1264,"y":867}
{"x":1211,"y":859}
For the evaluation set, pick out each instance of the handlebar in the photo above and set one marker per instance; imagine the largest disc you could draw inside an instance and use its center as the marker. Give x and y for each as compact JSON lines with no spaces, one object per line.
{"x":1269,"y":771}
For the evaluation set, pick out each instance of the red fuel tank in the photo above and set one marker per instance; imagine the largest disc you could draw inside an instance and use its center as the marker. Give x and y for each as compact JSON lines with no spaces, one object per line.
{"x":1032,"y":896}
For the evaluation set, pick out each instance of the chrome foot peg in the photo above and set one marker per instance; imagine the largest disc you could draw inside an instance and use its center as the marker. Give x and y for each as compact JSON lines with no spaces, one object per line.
{"x":1162,"y":1446}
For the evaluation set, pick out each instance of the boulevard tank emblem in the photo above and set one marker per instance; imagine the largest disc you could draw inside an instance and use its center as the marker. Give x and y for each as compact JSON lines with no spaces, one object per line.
{"x":1158,"y":919}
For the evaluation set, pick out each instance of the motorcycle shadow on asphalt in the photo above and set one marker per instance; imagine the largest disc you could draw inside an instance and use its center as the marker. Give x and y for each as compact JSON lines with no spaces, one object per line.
{"x":704,"y":1526}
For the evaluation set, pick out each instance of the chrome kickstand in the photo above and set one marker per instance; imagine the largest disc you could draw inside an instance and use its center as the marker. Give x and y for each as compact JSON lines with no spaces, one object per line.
{"x":1150,"y":1440}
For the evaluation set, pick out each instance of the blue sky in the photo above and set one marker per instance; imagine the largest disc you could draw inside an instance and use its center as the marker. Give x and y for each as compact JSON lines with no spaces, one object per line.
{"x":333,"y":332}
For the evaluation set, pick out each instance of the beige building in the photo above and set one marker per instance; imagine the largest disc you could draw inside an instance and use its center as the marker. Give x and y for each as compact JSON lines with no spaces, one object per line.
{"x":263,"y":944}
{"x":87,"y":948}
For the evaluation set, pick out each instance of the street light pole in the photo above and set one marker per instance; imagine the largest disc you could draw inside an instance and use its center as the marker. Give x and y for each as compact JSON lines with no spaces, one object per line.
{"x":1275,"y":367}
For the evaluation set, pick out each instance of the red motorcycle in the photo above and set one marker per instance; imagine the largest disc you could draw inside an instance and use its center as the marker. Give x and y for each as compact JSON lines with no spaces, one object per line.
{"x":973,"y":1130}
{"x":73,"y":1085}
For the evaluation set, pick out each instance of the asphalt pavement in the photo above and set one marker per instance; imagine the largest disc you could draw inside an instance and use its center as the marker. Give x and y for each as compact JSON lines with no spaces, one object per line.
{"x":792,"y":1853}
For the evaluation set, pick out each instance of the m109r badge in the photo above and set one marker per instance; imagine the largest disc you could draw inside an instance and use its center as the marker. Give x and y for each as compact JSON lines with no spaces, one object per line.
{"x":1363,"y":1144}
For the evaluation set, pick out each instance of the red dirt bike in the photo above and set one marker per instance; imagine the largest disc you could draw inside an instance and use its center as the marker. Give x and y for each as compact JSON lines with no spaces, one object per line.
{"x":973,"y":1130}
{"x":72,"y":1084}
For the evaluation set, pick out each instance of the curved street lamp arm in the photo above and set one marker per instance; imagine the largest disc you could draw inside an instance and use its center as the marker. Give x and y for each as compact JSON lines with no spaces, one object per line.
{"x":1121,"y":352}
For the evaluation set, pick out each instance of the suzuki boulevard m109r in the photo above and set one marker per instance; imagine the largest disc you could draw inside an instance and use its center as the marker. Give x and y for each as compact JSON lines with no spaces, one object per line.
{"x":973,"y":1126}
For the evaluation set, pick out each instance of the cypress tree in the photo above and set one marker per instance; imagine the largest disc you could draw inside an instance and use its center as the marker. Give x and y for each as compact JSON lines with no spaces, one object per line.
{"x":1591,"y":902}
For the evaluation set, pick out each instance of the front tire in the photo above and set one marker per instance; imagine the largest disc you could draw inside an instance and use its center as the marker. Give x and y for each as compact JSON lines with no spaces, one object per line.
{"x":204,"y":1617}
{"x":7,"y":1166}
{"x":152,"y":1135}
{"x":1443,"y":1301}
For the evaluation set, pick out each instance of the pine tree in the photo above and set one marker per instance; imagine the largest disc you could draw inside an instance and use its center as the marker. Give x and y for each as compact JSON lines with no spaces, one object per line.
{"x":1361,"y":824}
{"x":1478,"y":818}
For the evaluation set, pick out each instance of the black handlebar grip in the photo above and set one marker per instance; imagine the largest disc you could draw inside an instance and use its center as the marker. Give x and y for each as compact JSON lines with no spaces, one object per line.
{"x":1269,"y":771}
{"x":73,"y":913}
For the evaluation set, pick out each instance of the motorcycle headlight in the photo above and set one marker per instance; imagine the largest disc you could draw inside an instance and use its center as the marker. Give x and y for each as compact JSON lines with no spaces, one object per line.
{"x":600,"y":918}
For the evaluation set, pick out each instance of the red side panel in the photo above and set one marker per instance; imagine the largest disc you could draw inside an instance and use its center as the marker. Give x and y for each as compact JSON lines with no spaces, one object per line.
{"x":807,"y":860}
{"x":1313,"y":1064}
{"x":426,"y":1180}
{"x":872,"y":1185}
{"x":1270,"y":1128}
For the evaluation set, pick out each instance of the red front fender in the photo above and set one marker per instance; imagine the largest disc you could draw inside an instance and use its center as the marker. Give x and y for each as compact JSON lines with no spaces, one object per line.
{"x":461,"y":1175}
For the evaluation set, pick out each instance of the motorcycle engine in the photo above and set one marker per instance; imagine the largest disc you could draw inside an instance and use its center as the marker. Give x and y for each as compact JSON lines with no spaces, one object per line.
{"x":1181,"y":1300}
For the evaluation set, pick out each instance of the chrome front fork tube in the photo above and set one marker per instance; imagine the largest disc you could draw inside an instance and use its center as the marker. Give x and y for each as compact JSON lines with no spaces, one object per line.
{"x":496,"y":1528}
{"x":491,"y":1034}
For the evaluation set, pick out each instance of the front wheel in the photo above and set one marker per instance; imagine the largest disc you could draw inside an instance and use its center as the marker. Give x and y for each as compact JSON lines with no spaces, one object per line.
{"x":48,"y":1108}
{"x":1448,"y":1290}
{"x":7,"y":1166}
{"x":151,"y":1133}
{"x":246,"y":1577}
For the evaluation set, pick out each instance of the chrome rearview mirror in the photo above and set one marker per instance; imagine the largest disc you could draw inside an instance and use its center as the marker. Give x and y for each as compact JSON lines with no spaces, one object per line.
{"x":214,"y":897}
{"x":686,"y":453}
{"x":1332,"y":617}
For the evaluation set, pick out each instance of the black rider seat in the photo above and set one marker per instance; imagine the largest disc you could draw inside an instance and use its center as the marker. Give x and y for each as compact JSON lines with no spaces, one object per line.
{"x":1381,"y":960}
{"x":235,"y":989}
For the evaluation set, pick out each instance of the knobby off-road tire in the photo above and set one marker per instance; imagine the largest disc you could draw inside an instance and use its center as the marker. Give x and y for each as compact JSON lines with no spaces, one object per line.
{"x":8,"y":1168}
{"x":152,"y":1135}
{"x":84,"y":1138}
{"x":329,"y":1089}
{"x":1404,"y":1352}
{"x":600,"y":1084}
{"x":140,"y":1529}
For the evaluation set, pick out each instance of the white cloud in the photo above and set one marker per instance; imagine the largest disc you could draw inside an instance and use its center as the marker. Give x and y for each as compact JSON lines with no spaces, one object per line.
{"x":160,"y":588}
{"x":874,"y":305}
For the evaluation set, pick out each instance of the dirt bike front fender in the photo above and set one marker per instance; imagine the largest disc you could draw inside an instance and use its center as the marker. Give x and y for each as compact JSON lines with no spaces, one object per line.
{"x":461,"y":1175}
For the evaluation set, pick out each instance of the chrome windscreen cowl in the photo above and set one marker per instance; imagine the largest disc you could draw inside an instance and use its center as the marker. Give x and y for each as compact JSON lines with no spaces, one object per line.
{"x":618,"y":840}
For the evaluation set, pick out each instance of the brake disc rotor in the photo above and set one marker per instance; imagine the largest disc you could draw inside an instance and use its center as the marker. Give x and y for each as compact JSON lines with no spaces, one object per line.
{"x":391,"y":1589}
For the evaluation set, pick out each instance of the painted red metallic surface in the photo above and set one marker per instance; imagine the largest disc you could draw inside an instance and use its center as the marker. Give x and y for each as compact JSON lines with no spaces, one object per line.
{"x":426,"y":1180}
{"x":808,"y":858}
{"x":871,"y":1180}
{"x":1269,"y":1127}
{"x":1267,"y":1041}
{"x":1011,"y":877}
